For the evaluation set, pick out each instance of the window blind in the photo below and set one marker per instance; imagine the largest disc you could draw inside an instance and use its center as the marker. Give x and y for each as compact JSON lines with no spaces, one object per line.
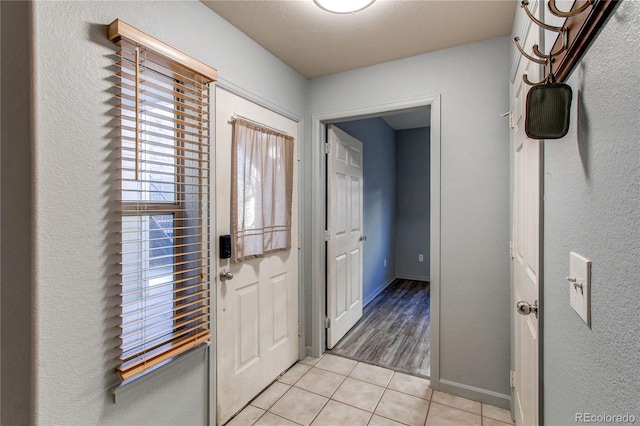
{"x":163,"y":191}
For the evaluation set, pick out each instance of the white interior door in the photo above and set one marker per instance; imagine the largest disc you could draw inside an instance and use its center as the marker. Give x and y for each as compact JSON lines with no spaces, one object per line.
{"x":344,"y":224}
{"x":257,"y":310}
{"x":526,"y":246}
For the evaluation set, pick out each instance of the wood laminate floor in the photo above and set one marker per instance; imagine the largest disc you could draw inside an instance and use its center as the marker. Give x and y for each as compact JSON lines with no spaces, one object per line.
{"x":394,"y":330}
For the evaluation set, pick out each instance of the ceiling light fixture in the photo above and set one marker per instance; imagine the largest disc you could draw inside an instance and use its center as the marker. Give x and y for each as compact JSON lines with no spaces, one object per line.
{"x":343,"y":6}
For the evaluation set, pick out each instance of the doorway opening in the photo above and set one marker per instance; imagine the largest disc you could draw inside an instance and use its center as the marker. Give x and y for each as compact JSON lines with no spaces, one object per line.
{"x":394,"y":331}
{"x":317,"y":298}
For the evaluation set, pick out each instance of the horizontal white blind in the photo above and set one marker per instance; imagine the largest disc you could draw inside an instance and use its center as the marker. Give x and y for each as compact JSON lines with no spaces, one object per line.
{"x":164,"y":198}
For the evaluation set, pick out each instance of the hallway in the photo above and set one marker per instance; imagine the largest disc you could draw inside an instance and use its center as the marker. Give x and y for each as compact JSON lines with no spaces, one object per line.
{"x":394,"y":331}
{"x":337,"y":391}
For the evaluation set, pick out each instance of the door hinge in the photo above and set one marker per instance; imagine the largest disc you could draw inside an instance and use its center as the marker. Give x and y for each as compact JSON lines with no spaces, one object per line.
{"x":299,"y":155}
{"x":327,"y":148}
{"x":510,"y":115}
{"x":511,"y":249}
{"x":327,"y":235}
{"x":512,"y":379}
{"x":327,"y":322}
{"x":299,"y":329}
{"x":299,"y":241}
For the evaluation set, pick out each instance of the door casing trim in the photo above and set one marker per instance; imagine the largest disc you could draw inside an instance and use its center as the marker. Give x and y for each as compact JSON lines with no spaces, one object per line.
{"x":318,"y":219}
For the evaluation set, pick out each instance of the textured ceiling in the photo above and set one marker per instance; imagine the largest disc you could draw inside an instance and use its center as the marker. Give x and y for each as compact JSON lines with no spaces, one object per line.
{"x":317,"y":43}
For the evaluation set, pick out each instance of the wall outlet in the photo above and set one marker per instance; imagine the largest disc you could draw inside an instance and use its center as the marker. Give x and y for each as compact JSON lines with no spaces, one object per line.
{"x":420,"y":258}
{"x":385,"y":263}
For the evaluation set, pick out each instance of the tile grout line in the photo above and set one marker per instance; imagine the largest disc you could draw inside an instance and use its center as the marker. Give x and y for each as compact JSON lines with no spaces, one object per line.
{"x":378,"y":403}
{"x":343,"y":380}
{"x":385,"y":388}
{"x":268,"y":410}
{"x":330,"y":398}
{"x":429,"y":407}
{"x":305,"y":390}
{"x":323,"y":407}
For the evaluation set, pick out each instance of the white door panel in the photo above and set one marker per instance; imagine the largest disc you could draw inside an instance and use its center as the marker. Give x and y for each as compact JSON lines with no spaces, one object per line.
{"x":257,"y":310}
{"x":526,"y":240}
{"x":344,"y":222}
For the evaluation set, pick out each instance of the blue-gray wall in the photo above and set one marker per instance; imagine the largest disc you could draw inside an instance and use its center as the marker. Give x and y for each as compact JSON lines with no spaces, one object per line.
{"x":396,"y":202}
{"x":592,"y":206}
{"x":61,"y":278}
{"x":474,"y":183}
{"x":379,"y":154}
{"x":413,"y":203}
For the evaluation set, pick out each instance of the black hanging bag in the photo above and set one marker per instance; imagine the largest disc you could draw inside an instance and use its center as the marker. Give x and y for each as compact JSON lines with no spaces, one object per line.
{"x":547,"y":111}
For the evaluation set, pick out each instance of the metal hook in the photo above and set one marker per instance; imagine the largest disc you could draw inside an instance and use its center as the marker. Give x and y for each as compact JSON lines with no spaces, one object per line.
{"x":516,"y":40}
{"x":525,"y":4}
{"x":554,"y":9}
{"x":536,"y":50}
{"x":525,"y":78}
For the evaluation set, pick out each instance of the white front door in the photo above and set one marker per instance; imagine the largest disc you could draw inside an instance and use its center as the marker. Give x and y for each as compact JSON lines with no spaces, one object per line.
{"x":257,"y":310}
{"x":344,"y":224}
{"x":526,"y":245}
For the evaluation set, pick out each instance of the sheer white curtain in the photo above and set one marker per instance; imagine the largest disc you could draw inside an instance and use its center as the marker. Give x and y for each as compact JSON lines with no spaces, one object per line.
{"x":262,"y":185}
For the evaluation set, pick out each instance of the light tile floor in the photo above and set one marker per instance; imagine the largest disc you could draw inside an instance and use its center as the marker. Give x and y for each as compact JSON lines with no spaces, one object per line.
{"x":337,"y":391}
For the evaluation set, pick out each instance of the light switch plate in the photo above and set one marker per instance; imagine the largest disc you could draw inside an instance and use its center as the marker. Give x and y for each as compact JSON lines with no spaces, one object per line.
{"x":580,"y":286}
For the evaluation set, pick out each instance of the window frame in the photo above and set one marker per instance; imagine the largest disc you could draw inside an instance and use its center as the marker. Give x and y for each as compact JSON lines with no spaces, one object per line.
{"x":190,"y":211}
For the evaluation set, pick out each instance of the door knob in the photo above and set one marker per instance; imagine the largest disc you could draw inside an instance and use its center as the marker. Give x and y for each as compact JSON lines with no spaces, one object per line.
{"x":524,"y":308}
{"x":226,"y":275}
{"x":362,"y":238}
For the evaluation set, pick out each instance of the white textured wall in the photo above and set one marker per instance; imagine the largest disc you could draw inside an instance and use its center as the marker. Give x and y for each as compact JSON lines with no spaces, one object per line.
{"x":75,"y":327}
{"x":592,"y":206}
{"x":473,"y":83}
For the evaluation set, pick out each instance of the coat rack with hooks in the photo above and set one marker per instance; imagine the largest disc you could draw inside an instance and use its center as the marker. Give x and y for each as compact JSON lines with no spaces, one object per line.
{"x":580,"y":27}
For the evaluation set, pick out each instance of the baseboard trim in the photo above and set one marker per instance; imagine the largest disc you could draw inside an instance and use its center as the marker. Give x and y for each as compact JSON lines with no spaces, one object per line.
{"x":476,"y":394}
{"x":379,"y":290}
{"x":413,"y":277}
